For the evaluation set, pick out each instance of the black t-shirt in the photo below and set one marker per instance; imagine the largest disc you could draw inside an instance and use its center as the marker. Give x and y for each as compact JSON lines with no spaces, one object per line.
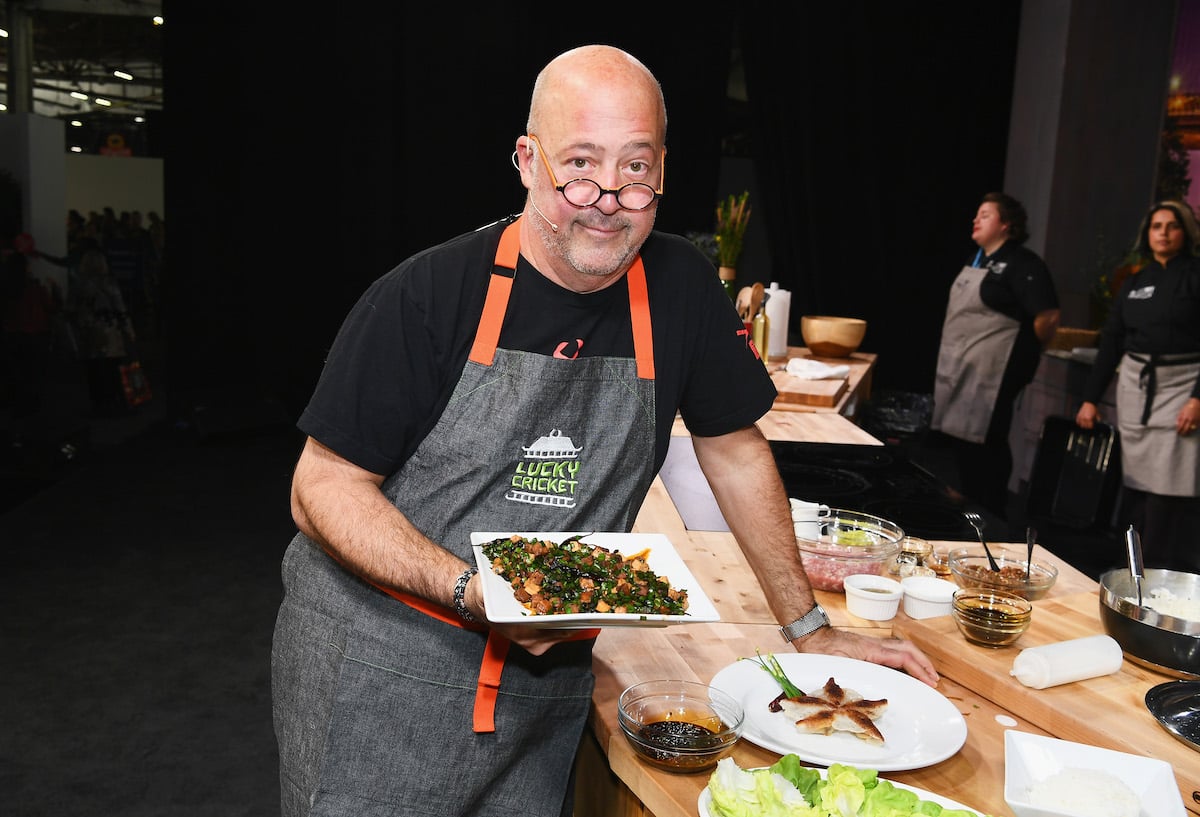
{"x":1156,"y":312}
{"x":401,"y":349}
{"x":1019,"y":285}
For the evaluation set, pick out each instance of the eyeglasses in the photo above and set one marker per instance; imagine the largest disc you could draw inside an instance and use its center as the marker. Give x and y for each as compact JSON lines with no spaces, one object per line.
{"x":585,"y":192}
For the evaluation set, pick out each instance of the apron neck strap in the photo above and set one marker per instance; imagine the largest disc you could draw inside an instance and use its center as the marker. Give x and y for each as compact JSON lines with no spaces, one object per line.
{"x":487,"y":334}
{"x":978,"y":257}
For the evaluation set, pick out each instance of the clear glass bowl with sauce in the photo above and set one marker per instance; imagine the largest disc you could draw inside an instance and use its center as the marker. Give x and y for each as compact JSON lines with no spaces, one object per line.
{"x":991,"y":618}
{"x":680,"y":726}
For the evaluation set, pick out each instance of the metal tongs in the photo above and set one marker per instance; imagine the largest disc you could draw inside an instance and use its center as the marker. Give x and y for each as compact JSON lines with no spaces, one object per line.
{"x":1133,"y":547}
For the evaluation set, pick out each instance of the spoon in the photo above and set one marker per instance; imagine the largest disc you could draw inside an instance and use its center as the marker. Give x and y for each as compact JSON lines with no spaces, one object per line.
{"x":1133,"y":547}
{"x":1030,"y":538}
{"x":756,"y":299}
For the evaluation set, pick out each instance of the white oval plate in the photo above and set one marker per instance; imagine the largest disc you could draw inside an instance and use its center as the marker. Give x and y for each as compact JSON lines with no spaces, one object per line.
{"x":920,"y":727}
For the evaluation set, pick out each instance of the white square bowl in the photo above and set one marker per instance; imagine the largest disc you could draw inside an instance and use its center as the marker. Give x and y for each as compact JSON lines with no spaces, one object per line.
{"x":1030,"y":759}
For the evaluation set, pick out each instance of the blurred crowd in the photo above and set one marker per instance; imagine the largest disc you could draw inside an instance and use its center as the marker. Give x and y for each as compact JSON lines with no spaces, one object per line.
{"x":89,"y":327}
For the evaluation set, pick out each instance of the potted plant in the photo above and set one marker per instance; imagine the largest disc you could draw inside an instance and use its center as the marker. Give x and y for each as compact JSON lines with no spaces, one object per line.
{"x":732,"y":215}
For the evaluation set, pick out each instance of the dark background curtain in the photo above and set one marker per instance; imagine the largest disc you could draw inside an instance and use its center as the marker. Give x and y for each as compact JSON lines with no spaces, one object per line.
{"x":305,"y":158}
{"x":876,"y":129}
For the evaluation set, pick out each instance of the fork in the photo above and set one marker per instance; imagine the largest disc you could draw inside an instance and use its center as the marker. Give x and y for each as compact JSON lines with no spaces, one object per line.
{"x":977,"y":523}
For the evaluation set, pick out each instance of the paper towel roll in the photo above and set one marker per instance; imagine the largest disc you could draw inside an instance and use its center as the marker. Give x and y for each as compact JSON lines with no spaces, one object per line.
{"x":778,"y":306}
{"x":1067,"y":661}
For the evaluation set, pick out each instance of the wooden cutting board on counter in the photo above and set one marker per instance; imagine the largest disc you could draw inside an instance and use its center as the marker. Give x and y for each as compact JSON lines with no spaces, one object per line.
{"x":1109,"y":711}
{"x":795,"y":392}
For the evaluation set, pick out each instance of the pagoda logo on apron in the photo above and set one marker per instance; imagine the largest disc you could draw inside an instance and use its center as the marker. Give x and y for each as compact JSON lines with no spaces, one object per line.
{"x":549,"y":472}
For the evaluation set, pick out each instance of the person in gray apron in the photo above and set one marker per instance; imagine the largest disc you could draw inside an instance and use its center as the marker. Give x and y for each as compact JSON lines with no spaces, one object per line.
{"x":523,"y":377}
{"x":1152,"y":340}
{"x":1002,"y":311}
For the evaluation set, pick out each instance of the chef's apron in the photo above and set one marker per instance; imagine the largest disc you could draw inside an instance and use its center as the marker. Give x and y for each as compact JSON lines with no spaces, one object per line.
{"x":976,"y":344}
{"x":1154,"y":456}
{"x":390,"y":694}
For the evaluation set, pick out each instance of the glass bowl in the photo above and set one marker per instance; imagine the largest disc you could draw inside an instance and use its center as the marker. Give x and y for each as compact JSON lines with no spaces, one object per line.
{"x":680,"y":726}
{"x":969,"y":568}
{"x":847,"y":542}
{"x":991,"y":618}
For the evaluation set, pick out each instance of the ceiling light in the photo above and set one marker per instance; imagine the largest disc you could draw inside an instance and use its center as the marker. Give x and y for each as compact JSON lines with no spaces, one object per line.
{"x":76,"y":149}
{"x":104,"y":102}
{"x":122,"y":75}
{"x":79,"y":95}
{"x":3,"y":107}
{"x":75,"y":123}
{"x":157,"y":19}
{"x":139,"y":119}
{"x":3,"y":32}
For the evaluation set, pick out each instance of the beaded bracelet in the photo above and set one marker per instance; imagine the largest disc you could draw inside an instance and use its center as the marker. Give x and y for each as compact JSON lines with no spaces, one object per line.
{"x":460,"y":590}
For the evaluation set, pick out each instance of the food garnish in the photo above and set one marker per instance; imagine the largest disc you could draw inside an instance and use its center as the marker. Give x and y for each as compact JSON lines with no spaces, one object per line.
{"x":551,"y":578}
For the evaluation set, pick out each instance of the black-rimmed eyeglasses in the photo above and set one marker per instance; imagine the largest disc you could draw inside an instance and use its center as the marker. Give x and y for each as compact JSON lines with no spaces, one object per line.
{"x":585,"y":192}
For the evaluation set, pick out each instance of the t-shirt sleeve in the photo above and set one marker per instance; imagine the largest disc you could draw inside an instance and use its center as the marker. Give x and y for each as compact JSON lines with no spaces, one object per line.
{"x":382,"y":379}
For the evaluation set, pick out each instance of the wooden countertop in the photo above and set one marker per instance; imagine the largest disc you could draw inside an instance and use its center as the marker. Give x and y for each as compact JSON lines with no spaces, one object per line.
{"x":974,"y":776}
{"x":858,"y":382}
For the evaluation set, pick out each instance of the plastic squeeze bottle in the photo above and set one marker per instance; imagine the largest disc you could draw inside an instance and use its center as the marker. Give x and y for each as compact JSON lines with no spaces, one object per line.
{"x":1067,"y":661}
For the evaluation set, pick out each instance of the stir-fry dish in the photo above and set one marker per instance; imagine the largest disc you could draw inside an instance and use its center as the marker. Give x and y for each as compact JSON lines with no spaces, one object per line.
{"x":573,"y":577}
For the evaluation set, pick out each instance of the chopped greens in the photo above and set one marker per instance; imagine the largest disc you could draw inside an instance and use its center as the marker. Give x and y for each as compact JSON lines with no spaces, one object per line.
{"x":573,"y":577}
{"x":771,"y":665}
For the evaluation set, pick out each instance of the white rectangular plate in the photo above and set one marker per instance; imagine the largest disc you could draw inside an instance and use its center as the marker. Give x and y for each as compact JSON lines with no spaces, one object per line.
{"x":503,"y":607}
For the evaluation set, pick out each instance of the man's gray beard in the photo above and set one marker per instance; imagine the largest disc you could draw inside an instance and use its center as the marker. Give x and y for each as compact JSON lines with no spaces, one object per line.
{"x":559,"y":244}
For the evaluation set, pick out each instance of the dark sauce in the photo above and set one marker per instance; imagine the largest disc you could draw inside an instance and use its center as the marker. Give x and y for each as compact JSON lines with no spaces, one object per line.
{"x":671,"y":737}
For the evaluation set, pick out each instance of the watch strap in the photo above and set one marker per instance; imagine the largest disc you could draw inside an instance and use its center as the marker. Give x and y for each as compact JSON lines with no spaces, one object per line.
{"x":810,"y":622}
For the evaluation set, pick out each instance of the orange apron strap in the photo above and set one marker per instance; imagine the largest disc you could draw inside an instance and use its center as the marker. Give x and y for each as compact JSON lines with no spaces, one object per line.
{"x":487,"y":335}
{"x":488,"y":687}
{"x":639,"y":313}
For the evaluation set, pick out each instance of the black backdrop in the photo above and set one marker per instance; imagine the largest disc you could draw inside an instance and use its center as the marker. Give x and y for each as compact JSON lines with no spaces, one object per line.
{"x":306,"y":156}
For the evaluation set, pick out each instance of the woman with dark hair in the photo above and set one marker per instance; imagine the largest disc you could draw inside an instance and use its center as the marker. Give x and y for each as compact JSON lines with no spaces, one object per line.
{"x":1002,"y":311}
{"x":1152,"y":339}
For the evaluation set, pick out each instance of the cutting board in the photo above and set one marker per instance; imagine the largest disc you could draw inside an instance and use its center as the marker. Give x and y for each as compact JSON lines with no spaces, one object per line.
{"x":795,"y":392}
{"x":1109,"y":711}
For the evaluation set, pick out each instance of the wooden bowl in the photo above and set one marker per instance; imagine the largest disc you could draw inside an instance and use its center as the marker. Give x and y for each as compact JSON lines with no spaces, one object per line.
{"x":829,"y":336}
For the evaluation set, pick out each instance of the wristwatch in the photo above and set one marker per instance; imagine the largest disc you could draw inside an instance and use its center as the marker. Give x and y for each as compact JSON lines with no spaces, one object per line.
{"x":810,"y":622}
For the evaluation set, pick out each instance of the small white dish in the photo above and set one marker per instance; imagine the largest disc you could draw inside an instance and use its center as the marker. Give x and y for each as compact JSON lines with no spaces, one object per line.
{"x":927,"y":596}
{"x":1031,"y":759}
{"x":875,"y":598}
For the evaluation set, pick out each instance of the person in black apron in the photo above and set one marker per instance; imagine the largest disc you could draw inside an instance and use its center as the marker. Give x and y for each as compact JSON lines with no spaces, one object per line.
{"x":1002,"y":311}
{"x":573,"y":324}
{"x":1152,"y":340}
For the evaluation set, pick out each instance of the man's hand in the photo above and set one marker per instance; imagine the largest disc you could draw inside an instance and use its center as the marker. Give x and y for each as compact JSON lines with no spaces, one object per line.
{"x":889,"y":652}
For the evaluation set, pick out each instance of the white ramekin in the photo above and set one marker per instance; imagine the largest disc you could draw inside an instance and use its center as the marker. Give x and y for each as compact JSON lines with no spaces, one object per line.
{"x":875,"y":598}
{"x":927,"y":596}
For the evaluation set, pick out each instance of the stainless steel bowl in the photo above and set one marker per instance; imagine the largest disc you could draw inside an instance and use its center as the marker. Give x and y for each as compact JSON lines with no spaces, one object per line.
{"x":1164,"y":643}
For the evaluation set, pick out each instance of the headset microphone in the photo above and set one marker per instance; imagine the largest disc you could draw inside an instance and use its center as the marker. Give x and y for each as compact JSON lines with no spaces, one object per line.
{"x":532,"y":204}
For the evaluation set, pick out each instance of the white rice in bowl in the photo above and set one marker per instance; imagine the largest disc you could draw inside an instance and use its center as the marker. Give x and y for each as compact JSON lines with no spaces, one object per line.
{"x":1086,"y":792}
{"x":1161,"y":600}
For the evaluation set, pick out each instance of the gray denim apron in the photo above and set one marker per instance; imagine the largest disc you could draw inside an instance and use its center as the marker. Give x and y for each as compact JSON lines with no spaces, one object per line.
{"x":376,"y":708}
{"x":976,"y":344}
{"x":1154,"y":457}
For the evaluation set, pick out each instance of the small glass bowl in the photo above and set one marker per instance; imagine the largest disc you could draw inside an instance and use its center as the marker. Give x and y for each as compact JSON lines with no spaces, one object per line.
{"x":680,"y":726}
{"x":969,"y":567}
{"x":991,"y":618}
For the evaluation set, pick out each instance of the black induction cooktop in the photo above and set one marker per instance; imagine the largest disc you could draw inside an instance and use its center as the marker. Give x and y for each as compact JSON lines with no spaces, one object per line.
{"x":875,"y":479}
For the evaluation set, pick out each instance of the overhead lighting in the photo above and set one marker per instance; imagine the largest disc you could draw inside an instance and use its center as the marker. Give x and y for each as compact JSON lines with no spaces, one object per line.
{"x":3,"y":107}
{"x":157,"y":19}
{"x":102,"y":101}
{"x":76,"y":149}
{"x":79,"y":95}
{"x":139,"y":119}
{"x":75,"y":123}
{"x":123,"y":75}
{"x":3,"y":32}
